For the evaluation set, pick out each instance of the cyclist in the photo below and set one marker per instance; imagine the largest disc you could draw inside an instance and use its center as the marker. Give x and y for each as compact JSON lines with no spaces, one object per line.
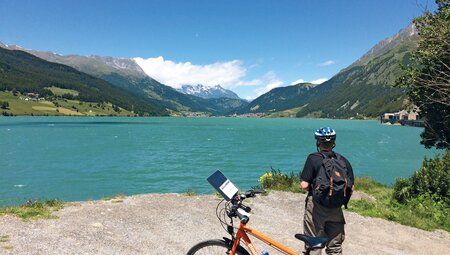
{"x":319,"y":220}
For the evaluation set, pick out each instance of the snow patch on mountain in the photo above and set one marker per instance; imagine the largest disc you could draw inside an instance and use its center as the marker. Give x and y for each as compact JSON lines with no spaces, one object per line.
{"x":207,"y":91}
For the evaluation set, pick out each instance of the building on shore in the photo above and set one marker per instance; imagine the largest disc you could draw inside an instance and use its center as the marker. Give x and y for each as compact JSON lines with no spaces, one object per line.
{"x":403,"y":117}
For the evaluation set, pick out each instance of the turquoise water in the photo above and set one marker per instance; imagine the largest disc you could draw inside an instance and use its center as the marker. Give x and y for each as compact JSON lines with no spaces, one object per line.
{"x":91,"y":158}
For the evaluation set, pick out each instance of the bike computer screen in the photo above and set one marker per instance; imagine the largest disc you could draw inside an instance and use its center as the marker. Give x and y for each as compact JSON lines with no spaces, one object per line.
{"x":223,"y":185}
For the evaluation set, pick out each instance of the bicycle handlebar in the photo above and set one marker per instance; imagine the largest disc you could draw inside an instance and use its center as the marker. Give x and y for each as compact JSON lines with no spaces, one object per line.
{"x":238,"y":205}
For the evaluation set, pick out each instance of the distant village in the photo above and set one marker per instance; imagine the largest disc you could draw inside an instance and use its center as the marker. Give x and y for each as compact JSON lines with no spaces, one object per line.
{"x":32,"y":97}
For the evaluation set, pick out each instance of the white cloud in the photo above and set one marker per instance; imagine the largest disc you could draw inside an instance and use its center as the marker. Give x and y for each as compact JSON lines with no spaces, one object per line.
{"x":298,"y":81}
{"x":319,"y":81}
{"x":327,"y":63}
{"x":230,"y":75}
{"x":227,"y":74}
{"x":254,"y":82}
{"x":271,"y":81}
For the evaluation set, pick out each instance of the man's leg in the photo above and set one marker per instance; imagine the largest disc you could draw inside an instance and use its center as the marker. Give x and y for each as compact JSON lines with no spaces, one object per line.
{"x":312,"y":226}
{"x":335,"y":230}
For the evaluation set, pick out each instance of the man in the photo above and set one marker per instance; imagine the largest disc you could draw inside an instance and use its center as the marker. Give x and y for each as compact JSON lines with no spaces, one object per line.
{"x":322,"y":220}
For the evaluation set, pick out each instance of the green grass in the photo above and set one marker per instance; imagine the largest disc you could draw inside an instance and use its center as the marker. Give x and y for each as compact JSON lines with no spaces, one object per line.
{"x":115,"y":199}
{"x":19,"y":106}
{"x":4,"y":239}
{"x":421,"y":213}
{"x":38,"y":209}
{"x":289,"y":113}
{"x":8,"y":247}
{"x":275,"y":180}
{"x":60,"y":91}
{"x":190,"y":193}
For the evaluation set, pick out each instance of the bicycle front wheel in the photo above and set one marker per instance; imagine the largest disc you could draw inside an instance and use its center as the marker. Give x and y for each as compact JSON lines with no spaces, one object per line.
{"x":214,"y":247}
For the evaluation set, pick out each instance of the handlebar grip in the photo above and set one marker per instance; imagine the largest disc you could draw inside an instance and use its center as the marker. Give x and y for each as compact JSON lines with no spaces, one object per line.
{"x":241,"y":215}
{"x":259,"y":191}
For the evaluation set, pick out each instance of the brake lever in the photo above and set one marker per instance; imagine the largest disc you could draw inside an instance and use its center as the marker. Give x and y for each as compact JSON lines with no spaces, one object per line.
{"x":245,"y":208}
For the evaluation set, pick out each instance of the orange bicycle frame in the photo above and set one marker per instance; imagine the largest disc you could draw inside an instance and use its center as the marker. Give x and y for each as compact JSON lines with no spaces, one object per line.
{"x":242,"y":234}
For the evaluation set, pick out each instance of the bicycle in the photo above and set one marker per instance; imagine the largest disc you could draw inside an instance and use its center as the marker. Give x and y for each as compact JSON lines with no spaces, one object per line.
{"x":232,"y":246}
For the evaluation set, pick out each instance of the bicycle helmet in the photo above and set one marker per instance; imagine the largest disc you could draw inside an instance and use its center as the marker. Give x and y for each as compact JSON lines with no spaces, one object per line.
{"x":325,"y":135}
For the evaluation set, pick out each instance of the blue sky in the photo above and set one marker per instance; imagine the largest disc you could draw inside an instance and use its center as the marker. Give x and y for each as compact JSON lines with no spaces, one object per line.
{"x":248,"y":46}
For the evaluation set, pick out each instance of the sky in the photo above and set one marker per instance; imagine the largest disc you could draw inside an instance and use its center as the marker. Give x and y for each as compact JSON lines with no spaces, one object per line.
{"x":248,"y":46}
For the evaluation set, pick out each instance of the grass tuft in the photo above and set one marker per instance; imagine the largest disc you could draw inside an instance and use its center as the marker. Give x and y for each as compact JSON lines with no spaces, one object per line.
{"x":190,"y":193}
{"x":35,"y":209}
{"x":275,"y":180}
{"x":4,"y":239}
{"x":115,"y":199}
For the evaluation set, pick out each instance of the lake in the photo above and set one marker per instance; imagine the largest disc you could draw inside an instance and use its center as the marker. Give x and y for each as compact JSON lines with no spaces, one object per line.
{"x":82,"y":158}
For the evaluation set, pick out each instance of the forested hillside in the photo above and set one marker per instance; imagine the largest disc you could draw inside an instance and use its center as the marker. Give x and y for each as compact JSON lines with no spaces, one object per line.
{"x":281,"y":98}
{"x":365,"y":88}
{"x":126,"y":74}
{"x":25,"y":73}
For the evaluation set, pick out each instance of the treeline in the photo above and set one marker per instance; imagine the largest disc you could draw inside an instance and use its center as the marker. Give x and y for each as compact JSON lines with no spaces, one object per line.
{"x":25,"y":73}
{"x":282,"y":98}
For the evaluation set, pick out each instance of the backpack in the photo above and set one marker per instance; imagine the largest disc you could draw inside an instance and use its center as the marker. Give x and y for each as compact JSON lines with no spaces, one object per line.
{"x":332,"y":186}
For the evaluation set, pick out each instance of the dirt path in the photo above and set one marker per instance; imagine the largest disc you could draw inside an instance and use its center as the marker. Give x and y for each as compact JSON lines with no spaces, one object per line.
{"x":171,"y":223}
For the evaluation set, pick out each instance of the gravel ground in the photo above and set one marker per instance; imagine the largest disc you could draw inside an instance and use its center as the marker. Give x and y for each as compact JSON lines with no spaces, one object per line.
{"x":172,"y":223}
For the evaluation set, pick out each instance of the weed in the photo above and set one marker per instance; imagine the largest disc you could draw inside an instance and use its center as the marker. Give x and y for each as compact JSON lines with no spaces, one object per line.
{"x":275,"y":180}
{"x":4,"y":239}
{"x":35,"y":209}
{"x":190,"y":193}
{"x":115,"y":199}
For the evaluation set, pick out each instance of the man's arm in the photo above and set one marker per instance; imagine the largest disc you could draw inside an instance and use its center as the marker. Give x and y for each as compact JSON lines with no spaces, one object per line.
{"x":351,"y":175}
{"x":306,"y":176}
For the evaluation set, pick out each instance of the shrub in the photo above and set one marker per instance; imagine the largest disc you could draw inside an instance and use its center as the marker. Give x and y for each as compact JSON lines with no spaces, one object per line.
{"x":276,"y":180}
{"x":4,"y":105}
{"x":432,"y":179}
{"x":425,"y":211}
{"x":402,"y":190}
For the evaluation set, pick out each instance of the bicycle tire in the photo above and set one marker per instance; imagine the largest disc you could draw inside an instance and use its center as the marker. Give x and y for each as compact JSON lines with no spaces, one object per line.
{"x":214,"y":247}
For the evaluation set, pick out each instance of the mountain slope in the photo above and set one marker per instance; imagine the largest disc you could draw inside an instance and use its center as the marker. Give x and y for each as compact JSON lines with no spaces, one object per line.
{"x":24,"y":72}
{"x":363,"y":88}
{"x":366,"y":87}
{"x":127,"y":74}
{"x":280,"y":99}
{"x":93,"y":65}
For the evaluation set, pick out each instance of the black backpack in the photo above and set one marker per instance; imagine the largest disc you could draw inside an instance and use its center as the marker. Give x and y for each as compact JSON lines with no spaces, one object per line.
{"x":332,"y":186}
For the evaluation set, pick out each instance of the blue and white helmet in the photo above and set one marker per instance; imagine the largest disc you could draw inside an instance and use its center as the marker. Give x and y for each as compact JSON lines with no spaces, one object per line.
{"x":325,"y":134}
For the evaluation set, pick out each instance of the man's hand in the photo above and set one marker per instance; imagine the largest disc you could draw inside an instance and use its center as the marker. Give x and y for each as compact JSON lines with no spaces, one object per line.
{"x":304,"y":185}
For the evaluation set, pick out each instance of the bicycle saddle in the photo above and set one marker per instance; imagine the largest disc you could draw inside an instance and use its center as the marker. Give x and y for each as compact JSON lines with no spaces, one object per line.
{"x":313,"y":242}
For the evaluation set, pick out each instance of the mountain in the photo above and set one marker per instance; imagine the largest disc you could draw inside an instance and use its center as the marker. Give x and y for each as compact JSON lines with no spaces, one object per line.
{"x":127,"y":74}
{"x":94,"y":65}
{"x":26,"y":73}
{"x":208,"y":92}
{"x":279,"y":99}
{"x":363,"y":88}
{"x":367,"y":86}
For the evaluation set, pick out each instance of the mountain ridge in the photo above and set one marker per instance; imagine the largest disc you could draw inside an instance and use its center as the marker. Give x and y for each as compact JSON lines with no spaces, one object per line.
{"x":128,"y":75}
{"x":208,"y":92}
{"x":363,"y":88}
{"x":23,"y":72}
